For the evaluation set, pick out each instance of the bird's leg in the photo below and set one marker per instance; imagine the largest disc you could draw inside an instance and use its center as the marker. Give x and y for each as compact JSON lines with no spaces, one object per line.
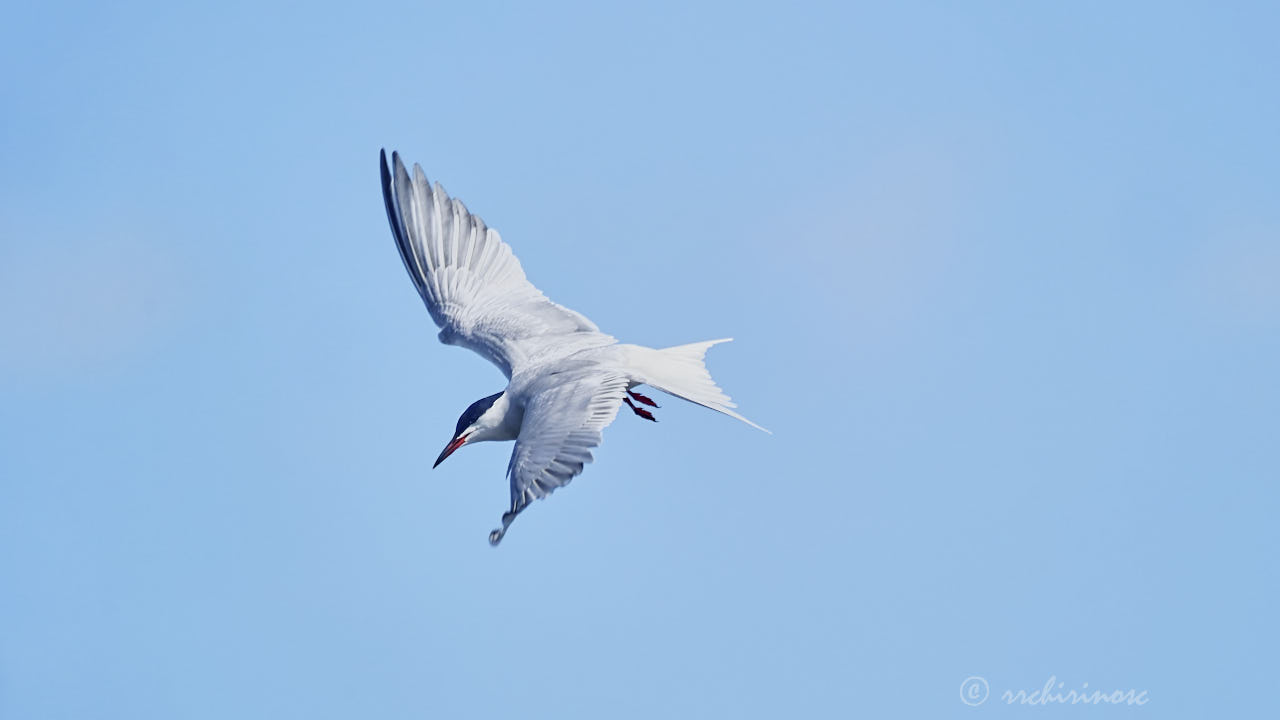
{"x":639,"y":411}
{"x":642,"y":398}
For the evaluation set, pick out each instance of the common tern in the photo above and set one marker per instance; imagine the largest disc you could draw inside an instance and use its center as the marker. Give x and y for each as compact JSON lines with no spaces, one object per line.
{"x":566,"y":379}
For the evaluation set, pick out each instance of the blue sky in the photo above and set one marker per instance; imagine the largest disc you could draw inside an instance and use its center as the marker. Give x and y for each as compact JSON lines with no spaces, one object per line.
{"x":1002,"y":278}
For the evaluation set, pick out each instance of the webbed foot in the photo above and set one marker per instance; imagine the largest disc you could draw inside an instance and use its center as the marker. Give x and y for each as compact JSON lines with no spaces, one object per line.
{"x":641,"y":398}
{"x":640,"y":411}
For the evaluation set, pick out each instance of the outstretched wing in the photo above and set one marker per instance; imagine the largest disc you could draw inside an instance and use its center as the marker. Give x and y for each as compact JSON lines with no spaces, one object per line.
{"x":561,"y":424}
{"x":472,"y":284}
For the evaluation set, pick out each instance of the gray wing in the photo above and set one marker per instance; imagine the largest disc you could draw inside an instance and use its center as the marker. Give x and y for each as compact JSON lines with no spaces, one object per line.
{"x":471,"y":282}
{"x":561,"y":425}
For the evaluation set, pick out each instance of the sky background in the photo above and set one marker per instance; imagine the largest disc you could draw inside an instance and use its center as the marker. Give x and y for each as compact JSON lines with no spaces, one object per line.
{"x":1004,"y":280}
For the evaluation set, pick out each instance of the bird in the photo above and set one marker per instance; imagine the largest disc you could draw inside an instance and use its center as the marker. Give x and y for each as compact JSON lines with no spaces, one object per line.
{"x":567,"y":380}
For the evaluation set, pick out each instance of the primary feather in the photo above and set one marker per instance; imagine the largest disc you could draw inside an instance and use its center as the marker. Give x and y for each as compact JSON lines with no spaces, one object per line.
{"x":471,"y":282}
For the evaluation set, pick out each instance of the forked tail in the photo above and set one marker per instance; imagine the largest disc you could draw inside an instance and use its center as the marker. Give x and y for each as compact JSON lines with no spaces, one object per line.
{"x":680,"y":371}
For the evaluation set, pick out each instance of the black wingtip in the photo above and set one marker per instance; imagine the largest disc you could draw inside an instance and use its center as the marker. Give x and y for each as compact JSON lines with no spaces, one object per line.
{"x":389,"y":200}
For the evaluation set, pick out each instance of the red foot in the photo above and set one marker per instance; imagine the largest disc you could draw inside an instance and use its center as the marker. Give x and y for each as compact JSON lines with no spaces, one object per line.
{"x":642,"y":399}
{"x":640,"y":411}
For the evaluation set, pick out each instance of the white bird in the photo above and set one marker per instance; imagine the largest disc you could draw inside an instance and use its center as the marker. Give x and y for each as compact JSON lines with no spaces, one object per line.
{"x":567,"y":380}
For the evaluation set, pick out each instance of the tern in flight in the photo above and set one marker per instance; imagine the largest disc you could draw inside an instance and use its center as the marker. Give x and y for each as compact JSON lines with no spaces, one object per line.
{"x":566,"y":379}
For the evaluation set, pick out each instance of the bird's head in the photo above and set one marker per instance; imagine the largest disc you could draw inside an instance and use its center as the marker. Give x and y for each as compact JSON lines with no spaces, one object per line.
{"x":478,"y":422}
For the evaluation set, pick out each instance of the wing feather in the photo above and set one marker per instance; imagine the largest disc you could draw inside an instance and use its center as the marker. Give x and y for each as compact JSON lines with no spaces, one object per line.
{"x":470,"y":281}
{"x":563,"y":421}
